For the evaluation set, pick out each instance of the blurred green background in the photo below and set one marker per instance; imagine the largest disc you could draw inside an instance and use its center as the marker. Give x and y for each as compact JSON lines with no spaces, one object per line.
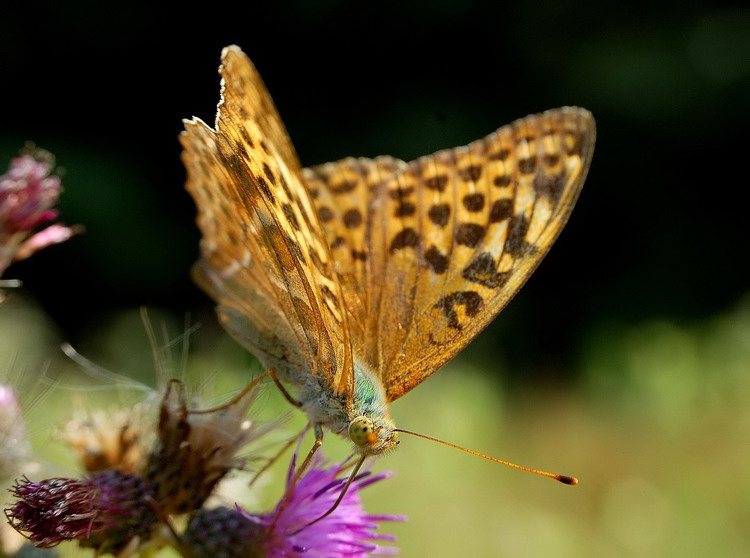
{"x":623,"y":361}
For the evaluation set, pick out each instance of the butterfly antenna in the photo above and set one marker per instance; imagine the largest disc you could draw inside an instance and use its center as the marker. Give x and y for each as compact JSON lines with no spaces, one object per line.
{"x":565,"y":479}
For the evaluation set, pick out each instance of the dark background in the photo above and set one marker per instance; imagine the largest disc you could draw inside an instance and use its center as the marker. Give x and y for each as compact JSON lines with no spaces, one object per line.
{"x":660,"y":228}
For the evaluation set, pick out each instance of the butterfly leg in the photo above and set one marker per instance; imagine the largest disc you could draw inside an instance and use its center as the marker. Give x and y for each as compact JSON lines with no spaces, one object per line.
{"x":282,"y":389}
{"x":318,"y":430}
{"x":236,"y":399}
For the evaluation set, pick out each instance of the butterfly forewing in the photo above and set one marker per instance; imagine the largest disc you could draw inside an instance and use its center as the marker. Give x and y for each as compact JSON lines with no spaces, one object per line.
{"x":265,"y":258}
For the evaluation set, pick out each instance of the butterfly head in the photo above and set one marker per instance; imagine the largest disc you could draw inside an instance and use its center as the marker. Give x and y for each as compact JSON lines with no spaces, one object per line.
{"x":373,"y":437}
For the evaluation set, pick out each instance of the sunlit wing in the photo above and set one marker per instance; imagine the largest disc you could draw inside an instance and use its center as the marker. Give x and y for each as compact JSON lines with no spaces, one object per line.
{"x":431,"y":251}
{"x":342,"y":192}
{"x":264,"y":256}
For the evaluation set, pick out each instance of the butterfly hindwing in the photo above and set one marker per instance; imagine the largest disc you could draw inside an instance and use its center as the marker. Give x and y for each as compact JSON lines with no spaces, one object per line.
{"x":342,"y":192}
{"x":512,"y":193}
{"x":450,"y":238}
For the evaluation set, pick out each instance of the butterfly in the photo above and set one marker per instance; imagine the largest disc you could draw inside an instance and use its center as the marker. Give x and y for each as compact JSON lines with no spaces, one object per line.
{"x":354,"y":281}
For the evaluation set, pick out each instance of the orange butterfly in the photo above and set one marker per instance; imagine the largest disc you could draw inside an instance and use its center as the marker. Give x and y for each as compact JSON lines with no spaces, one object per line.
{"x":354,"y":281}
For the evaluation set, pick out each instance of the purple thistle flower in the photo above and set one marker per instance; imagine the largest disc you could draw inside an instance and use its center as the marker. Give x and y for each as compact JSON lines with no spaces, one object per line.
{"x":347,"y":531}
{"x":284,"y":533}
{"x":28,"y":193}
{"x":108,"y":511}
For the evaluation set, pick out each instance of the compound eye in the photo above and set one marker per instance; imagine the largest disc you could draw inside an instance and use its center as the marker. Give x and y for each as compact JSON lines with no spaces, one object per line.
{"x":362,"y":431}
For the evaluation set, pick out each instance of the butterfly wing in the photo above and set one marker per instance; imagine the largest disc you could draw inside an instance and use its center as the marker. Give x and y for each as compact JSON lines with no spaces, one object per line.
{"x":447,"y":240}
{"x":342,"y":192}
{"x":264,"y":257}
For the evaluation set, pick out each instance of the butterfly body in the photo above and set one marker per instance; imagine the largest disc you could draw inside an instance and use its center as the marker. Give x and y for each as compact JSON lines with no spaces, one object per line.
{"x":321,"y":405}
{"x":337,"y":414}
{"x":355,"y":280}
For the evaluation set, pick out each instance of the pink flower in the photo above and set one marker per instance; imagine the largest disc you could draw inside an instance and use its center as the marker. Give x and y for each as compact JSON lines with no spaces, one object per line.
{"x":28,"y":194}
